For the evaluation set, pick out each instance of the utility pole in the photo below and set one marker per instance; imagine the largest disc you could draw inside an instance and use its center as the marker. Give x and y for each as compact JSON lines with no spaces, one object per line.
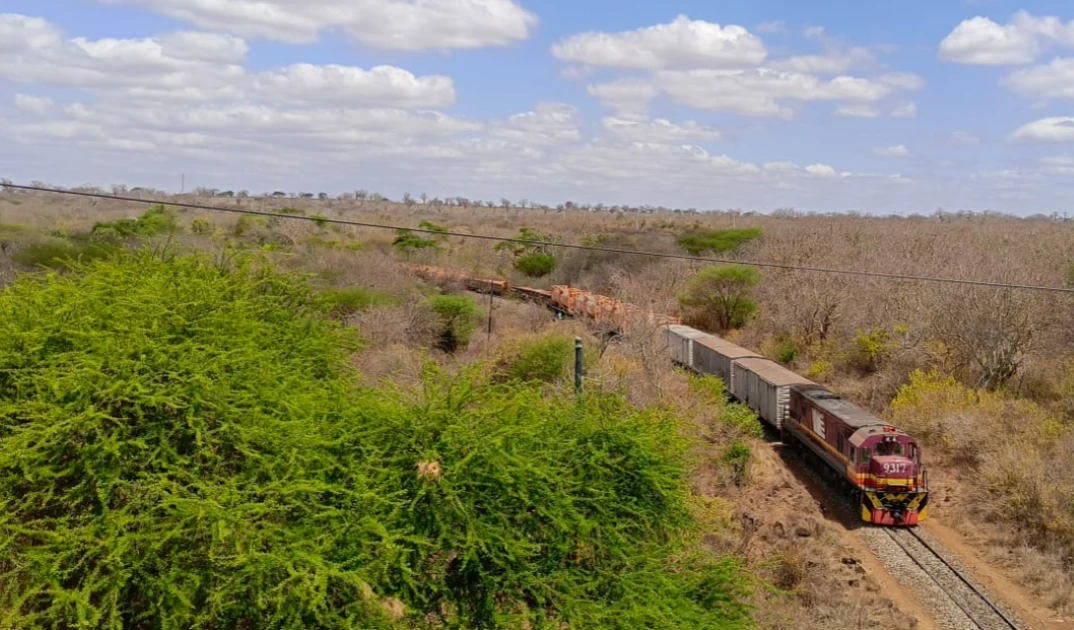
{"x":488,"y":340}
{"x":578,"y":365}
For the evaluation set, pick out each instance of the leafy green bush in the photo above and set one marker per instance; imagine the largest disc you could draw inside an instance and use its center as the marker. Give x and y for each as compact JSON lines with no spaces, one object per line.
{"x":59,"y":253}
{"x":819,"y":370}
{"x":459,"y":316}
{"x":546,"y":359}
{"x":721,"y":296}
{"x":156,"y":220}
{"x":353,"y":299}
{"x":742,"y":418}
{"x":161,"y":466}
{"x":738,"y":417}
{"x":527,"y":241}
{"x":433,"y":227}
{"x":11,"y":234}
{"x":248,"y":224}
{"x":406,"y":241}
{"x":536,"y":265}
{"x":698,"y":241}
{"x":784,"y":348}
{"x":737,"y":456}
{"x":871,"y":348}
{"x":202,"y":226}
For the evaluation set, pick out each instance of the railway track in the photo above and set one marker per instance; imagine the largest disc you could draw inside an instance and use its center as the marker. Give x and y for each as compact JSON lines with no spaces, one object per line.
{"x":979,"y":610}
{"x":960,"y":604}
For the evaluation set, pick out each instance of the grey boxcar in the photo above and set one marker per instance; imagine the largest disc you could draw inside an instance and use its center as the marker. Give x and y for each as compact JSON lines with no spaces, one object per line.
{"x":765,"y":385}
{"x":715,"y":356}
{"x":680,"y":340}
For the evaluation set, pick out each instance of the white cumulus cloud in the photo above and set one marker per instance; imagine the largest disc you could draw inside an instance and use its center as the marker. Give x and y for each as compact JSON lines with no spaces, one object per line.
{"x":138,"y":110}
{"x":548,"y":123}
{"x":683,"y":43}
{"x":898,"y":150}
{"x":199,"y":68}
{"x":857,"y":111}
{"x":33,"y":104}
{"x":346,"y":85}
{"x":981,"y":41}
{"x":902,"y":80}
{"x":821,"y":170}
{"x":1054,"y":129}
{"x":658,"y":130}
{"x":625,"y":94}
{"x":1054,"y":80}
{"x":760,"y":92}
{"x":408,"y":25}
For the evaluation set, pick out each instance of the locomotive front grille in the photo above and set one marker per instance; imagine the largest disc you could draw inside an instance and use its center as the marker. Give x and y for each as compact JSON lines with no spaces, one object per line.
{"x":894,"y":506}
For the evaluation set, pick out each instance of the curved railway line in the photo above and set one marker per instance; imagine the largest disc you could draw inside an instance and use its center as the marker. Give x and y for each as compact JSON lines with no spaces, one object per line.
{"x":958,"y":603}
{"x":980,"y":611}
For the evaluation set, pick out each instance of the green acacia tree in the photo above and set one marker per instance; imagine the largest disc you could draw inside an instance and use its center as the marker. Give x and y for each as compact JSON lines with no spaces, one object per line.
{"x":406,"y":242}
{"x":532,"y":257}
{"x":698,"y":241}
{"x":721,"y":296}
{"x":459,"y":316}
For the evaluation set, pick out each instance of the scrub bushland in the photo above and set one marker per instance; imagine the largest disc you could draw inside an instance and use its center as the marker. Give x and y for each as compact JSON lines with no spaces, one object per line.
{"x":182,"y":444}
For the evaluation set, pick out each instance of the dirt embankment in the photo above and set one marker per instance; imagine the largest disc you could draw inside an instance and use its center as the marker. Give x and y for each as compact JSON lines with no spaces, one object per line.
{"x":1016,"y":574}
{"x":840,"y":582}
{"x":793,"y":528}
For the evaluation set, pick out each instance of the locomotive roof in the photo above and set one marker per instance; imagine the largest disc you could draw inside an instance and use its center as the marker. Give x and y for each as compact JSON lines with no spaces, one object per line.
{"x":853,"y":415}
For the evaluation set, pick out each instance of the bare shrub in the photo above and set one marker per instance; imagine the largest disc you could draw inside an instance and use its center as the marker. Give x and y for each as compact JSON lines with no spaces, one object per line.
{"x":990,"y":333}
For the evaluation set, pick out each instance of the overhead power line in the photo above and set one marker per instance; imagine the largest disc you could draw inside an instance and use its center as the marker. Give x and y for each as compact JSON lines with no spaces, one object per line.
{"x":594,"y":248}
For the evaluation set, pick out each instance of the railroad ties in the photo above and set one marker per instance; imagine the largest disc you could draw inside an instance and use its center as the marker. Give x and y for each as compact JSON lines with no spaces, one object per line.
{"x":979,"y":611}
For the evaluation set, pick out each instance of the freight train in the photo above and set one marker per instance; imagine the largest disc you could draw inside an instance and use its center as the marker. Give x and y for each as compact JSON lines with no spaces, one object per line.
{"x":879,"y":464}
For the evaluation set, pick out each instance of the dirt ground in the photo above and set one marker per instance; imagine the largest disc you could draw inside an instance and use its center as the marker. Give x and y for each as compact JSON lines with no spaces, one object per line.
{"x":991,"y":555}
{"x":787,"y":498}
{"x":839,"y":582}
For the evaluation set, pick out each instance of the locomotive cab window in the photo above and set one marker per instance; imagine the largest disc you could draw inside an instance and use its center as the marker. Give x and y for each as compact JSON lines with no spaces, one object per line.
{"x":852,"y":454}
{"x":896,"y":449}
{"x":865,"y":455}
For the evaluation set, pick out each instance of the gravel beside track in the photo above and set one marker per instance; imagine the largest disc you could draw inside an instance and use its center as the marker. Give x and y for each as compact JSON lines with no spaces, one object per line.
{"x":955,"y":605}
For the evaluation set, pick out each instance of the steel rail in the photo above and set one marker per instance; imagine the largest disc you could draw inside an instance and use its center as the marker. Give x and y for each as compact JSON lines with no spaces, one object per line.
{"x":958,"y":574}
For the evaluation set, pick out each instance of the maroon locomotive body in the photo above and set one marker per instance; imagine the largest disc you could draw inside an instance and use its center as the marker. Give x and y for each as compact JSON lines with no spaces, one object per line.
{"x":880,"y":462}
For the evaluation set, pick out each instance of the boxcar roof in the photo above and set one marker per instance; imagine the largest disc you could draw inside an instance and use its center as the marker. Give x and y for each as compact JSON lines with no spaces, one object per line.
{"x":772,"y":372}
{"x":726,"y":348}
{"x":853,"y":415}
{"x":689,"y":333}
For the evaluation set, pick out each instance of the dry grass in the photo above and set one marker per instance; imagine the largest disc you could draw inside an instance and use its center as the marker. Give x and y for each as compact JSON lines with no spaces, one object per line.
{"x":980,"y":336}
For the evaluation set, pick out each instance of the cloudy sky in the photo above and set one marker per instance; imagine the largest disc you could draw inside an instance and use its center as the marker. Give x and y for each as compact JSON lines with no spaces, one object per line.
{"x":828,"y":106}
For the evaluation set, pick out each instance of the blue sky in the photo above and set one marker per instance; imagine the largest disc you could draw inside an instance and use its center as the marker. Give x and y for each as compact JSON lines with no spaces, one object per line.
{"x":832,"y":106}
